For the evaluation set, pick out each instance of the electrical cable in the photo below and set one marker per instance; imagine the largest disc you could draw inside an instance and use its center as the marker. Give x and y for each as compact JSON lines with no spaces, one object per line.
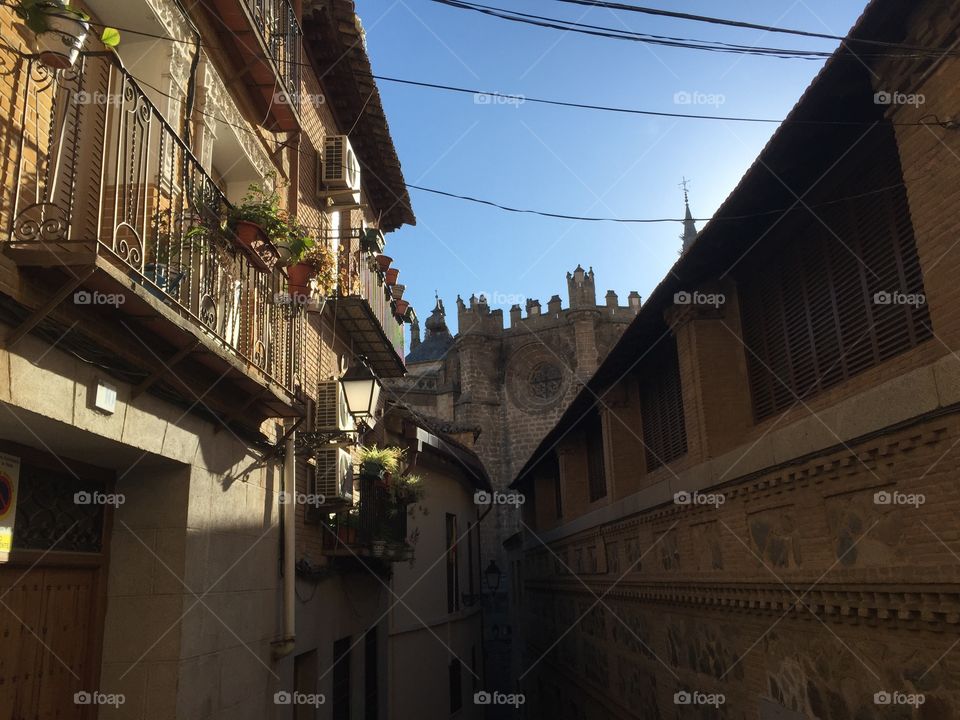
{"x":685,"y":43}
{"x":606,"y":4}
{"x":507,"y":208}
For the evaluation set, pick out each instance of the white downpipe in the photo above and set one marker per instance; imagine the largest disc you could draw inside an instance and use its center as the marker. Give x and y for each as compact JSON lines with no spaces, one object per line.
{"x":285,"y":646}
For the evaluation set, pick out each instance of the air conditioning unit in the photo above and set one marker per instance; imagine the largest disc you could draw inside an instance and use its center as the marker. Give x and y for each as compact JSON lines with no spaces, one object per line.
{"x":332,"y":413}
{"x":340,"y":167}
{"x":333,"y":475}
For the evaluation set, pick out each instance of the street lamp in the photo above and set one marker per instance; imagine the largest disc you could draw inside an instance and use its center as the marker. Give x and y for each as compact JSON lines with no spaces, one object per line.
{"x":361,"y":390}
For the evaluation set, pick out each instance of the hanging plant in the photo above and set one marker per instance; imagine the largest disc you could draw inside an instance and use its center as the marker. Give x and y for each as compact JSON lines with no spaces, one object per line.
{"x":61,"y":30}
{"x":260,"y":226}
{"x":382,"y":462}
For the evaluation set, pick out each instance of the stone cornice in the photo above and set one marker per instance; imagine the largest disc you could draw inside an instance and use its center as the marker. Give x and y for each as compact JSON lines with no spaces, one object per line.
{"x":911,"y":604}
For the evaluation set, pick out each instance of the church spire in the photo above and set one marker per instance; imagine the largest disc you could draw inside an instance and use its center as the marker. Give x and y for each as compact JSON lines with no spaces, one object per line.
{"x":689,"y":225}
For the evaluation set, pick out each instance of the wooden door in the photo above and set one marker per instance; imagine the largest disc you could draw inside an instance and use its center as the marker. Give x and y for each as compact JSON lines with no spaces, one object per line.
{"x":45,"y":635}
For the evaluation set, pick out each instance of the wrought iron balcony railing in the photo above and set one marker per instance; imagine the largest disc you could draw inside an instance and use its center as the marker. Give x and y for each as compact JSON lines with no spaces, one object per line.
{"x":101,"y":179}
{"x":377,"y":527}
{"x":364,"y":302}
{"x":263,"y":40}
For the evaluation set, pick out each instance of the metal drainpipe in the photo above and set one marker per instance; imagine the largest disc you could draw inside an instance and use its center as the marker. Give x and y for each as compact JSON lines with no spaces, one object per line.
{"x":286,"y":645}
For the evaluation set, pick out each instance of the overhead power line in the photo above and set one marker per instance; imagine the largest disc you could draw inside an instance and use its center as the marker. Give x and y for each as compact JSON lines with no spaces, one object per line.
{"x":562,"y":216}
{"x":668,"y":41}
{"x":738,"y":23}
{"x":637,"y":111}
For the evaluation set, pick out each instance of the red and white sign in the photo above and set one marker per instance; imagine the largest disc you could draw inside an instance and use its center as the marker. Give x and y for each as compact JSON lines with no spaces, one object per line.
{"x":9,"y":481}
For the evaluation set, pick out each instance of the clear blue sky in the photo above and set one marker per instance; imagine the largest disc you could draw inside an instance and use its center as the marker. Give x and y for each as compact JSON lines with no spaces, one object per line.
{"x":565,"y":160}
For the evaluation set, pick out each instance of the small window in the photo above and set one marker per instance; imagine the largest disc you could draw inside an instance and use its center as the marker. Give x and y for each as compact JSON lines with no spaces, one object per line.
{"x":553,"y":472}
{"x":596,"y":473}
{"x":456,"y":685}
{"x":453,"y":565}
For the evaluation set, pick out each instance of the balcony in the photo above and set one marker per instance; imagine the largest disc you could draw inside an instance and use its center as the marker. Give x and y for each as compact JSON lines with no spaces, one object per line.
{"x":103,"y":196}
{"x":376,"y":528}
{"x":364,"y":305}
{"x":263,"y":39}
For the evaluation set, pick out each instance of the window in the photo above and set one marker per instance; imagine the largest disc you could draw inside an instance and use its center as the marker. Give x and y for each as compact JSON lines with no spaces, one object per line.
{"x":596,"y":473}
{"x":553,"y":471}
{"x":470,"y":585}
{"x":455,"y":674}
{"x":453,"y":565}
{"x":371,"y":691}
{"x":341,"y":679}
{"x":661,"y":407}
{"x":829,"y":297}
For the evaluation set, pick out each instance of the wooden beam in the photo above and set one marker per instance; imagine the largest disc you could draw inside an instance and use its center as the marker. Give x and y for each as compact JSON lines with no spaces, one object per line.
{"x":166,"y":369}
{"x":41,"y":312}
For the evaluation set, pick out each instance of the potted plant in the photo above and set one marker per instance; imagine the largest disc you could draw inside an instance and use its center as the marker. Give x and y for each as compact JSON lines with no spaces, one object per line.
{"x":372,"y":241}
{"x":61,"y":30}
{"x":401,"y":308}
{"x":311,"y":260}
{"x":259,"y":226}
{"x":383,"y":262}
{"x":397,"y":291}
{"x":391,"y":276}
{"x":381,"y":463}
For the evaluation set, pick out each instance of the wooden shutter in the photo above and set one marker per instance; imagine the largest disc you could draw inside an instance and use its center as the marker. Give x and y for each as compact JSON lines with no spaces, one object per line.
{"x":810,"y":320}
{"x":596,"y":472}
{"x":661,"y":407}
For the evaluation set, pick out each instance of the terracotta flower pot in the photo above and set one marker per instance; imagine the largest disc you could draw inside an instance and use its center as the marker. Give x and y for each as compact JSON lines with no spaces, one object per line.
{"x":254,"y":242}
{"x":402,"y":306}
{"x":397,"y":291}
{"x":383,"y":262}
{"x":392,"y":274}
{"x":298,"y":279}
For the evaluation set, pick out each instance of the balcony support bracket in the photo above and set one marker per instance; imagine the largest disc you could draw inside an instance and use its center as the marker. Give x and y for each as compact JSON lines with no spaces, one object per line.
{"x":48,"y":307}
{"x":166,"y":368}
{"x":254,"y":397}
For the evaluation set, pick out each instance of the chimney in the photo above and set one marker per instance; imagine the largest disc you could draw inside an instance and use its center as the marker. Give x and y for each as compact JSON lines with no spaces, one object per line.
{"x":633,"y":300}
{"x":515,"y":315}
{"x":612,"y":299}
{"x":533,"y":308}
{"x":554,"y":306}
